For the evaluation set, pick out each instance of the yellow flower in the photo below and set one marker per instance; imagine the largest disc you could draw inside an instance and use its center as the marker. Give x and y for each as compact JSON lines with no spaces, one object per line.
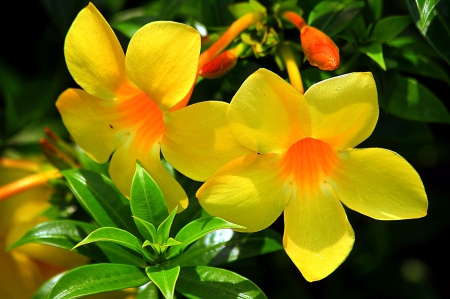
{"x":23,"y":198}
{"x":123,"y":108}
{"x":304,"y":162}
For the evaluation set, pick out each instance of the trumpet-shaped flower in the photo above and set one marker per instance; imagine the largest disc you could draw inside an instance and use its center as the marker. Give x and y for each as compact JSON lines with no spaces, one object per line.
{"x":304,"y":163}
{"x":319,"y":49}
{"x":130,"y":104}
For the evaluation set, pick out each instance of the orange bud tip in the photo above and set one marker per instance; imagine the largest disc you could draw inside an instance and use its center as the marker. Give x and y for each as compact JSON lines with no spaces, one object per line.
{"x":319,"y":49}
{"x":50,"y":134}
{"x":219,"y":66}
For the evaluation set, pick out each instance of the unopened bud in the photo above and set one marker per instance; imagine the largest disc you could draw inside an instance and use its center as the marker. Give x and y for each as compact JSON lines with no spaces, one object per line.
{"x":219,"y":66}
{"x":319,"y":49}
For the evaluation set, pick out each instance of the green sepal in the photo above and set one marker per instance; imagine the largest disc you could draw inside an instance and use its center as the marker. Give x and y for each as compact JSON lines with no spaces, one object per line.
{"x":165,"y":278}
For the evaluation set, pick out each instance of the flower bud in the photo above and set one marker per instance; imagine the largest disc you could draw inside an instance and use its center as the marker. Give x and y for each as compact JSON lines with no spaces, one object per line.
{"x":219,"y":66}
{"x":319,"y":49}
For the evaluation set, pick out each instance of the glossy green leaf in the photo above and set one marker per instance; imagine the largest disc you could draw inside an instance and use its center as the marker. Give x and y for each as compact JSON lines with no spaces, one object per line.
{"x":98,"y":195}
{"x":436,"y":29}
{"x":117,"y":236}
{"x":147,"y":201}
{"x":388,"y":28}
{"x":225,"y":246}
{"x":165,"y":278}
{"x":66,"y":234}
{"x":334,"y":16}
{"x":375,"y":52}
{"x":207,"y":282}
{"x":164,"y":228}
{"x":197,"y":229}
{"x":417,"y":63}
{"x":150,"y":229}
{"x":97,"y":278}
{"x":411,"y":100}
{"x":148,"y":291}
{"x":425,"y":9}
{"x":46,"y":287}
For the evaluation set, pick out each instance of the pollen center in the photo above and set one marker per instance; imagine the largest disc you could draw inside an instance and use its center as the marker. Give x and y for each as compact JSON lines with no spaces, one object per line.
{"x":309,"y":162}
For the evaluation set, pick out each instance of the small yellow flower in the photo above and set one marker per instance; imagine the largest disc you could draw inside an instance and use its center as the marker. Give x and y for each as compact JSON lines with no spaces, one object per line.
{"x":128,"y":106}
{"x":304,"y":162}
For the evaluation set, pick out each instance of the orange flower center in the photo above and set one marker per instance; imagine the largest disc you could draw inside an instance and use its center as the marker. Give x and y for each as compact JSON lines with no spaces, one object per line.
{"x":145,"y":116}
{"x":309,"y":162}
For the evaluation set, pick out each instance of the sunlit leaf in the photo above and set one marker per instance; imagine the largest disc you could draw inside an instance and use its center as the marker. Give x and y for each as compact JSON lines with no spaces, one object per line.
{"x":225,"y":246}
{"x":99,"y":196}
{"x":425,"y":8}
{"x":375,"y":52}
{"x":197,"y":229}
{"x":148,"y":291}
{"x":97,"y":278}
{"x":117,"y":236}
{"x":163,"y":230}
{"x":436,"y":29}
{"x":66,"y":234}
{"x":46,"y":287}
{"x":147,"y":201}
{"x":165,"y":278}
{"x":208,"y":282}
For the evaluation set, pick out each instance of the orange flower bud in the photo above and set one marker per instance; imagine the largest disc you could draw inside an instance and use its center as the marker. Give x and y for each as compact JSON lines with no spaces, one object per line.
{"x":219,"y":66}
{"x":319,"y":49}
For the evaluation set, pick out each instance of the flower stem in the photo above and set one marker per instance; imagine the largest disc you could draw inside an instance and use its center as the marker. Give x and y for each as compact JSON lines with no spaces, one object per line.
{"x":291,"y":66}
{"x":28,"y":182}
{"x":228,"y":36}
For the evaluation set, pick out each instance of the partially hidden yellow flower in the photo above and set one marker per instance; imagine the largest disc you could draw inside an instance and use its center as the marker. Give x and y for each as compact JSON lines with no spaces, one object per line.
{"x":303,"y":162}
{"x":128,"y":106}
{"x":25,"y":268}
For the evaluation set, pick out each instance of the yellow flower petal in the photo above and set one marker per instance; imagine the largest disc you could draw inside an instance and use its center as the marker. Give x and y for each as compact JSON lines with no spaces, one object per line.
{"x":123,"y":166}
{"x":197,"y":140}
{"x":264,"y":115}
{"x":94,"y":56}
{"x":93,"y":123}
{"x":317,"y":234}
{"x":344,"y":109}
{"x":380,"y":184}
{"x":162,"y":60}
{"x":249,"y":191}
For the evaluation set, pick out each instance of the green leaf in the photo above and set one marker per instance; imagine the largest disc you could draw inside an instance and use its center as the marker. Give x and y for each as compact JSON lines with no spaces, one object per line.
{"x":334,"y":16}
{"x":425,"y":8}
{"x":225,"y":246}
{"x":375,"y":52}
{"x":150,"y":228}
{"x":66,"y":234}
{"x":148,"y":291}
{"x":97,"y":278}
{"x":411,"y":100}
{"x":164,"y":229}
{"x":98,"y":195}
{"x":46,"y":287}
{"x":417,"y":63}
{"x":436,"y":30}
{"x":242,"y":8}
{"x":118,"y":236}
{"x":388,"y":28}
{"x":165,"y":278}
{"x":147,"y":201}
{"x":208,"y":282}
{"x":376,"y":8}
{"x":197,"y":229}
